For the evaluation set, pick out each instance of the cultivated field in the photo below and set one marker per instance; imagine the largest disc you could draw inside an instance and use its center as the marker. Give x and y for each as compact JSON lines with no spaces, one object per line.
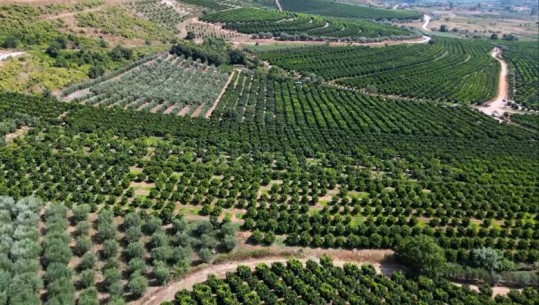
{"x":149,"y":148}
{"x":165,"y":84}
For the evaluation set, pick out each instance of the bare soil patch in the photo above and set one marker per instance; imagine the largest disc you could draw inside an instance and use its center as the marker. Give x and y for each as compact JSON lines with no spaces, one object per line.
{"x":142,"y":188}
{"x":197,"y":111}
{"x":496,"y":290}
{"x":77,"y":94}
{"x":169,"y":109}
{"x":17,"y":133}
{"x":184,"y":110}
{"x":156,"y":108}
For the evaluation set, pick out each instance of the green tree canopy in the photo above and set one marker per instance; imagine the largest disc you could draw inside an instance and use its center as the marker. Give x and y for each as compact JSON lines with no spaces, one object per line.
{"x":421,"y":254}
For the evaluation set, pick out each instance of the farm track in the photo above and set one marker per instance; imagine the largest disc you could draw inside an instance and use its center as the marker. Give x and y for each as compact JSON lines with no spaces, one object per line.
{"x":372,"y":257}
{"x":498,"y":106}
{"x":427,"y":19}
{"x":6,"y":56}
{"x":375,"y":257}
{"x":252,"y":41}
{"x":278,"y":4}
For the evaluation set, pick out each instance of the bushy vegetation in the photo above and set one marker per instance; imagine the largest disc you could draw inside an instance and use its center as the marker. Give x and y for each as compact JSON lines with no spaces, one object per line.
{"x":213,"y":51}
{"x":118,"y":21}
{"x":292,"y":26}
{"x":324,"y":283}
{"x":35,"y":73}
{"x":450,"y":69}
{"x":18,"y":27}
{"x":330,"y":8}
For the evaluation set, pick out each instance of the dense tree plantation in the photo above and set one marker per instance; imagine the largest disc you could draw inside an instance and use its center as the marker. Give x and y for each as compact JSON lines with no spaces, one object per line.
{"x":522,"y":58}
{"x":324,"y":283}
{"x":327,"y":8}
{"x":293,"y":26}
{"x":88,"y":257}
{"x":145,"y":144}
{"x":527,"y":120}
{"x":450,"y":69}
{"x":310,"y":179}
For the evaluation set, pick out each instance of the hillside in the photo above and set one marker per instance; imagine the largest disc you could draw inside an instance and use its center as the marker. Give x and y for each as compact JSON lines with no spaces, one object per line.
{"x":173,"y":152}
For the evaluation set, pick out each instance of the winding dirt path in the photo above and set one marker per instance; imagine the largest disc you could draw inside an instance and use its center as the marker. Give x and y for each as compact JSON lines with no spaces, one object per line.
{"x":427,"y":20}
{"x":497,"y":106}
{"x":372,"y":257}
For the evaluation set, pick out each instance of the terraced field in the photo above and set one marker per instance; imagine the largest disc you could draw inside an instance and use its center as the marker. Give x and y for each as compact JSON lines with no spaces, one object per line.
{"x":330,"y":8}
{"x":449,"y":70}
{"x":293,"y":26}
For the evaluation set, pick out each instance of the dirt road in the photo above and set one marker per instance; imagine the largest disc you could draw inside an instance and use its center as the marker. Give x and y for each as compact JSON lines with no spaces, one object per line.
{"x":6,"y":56}
{"x":427,"y":19}
{"x":278,"y":4}
{"x":498,"y":106}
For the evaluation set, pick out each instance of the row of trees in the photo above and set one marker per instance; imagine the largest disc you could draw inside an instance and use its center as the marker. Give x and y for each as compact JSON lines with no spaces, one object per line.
{"x":19,"y":242}
{"x":56,"y":257}
{"x":378,"y":71}
{"x":323,"y":283}
{"x":125,"y":269}
{"x":254,"y":21}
